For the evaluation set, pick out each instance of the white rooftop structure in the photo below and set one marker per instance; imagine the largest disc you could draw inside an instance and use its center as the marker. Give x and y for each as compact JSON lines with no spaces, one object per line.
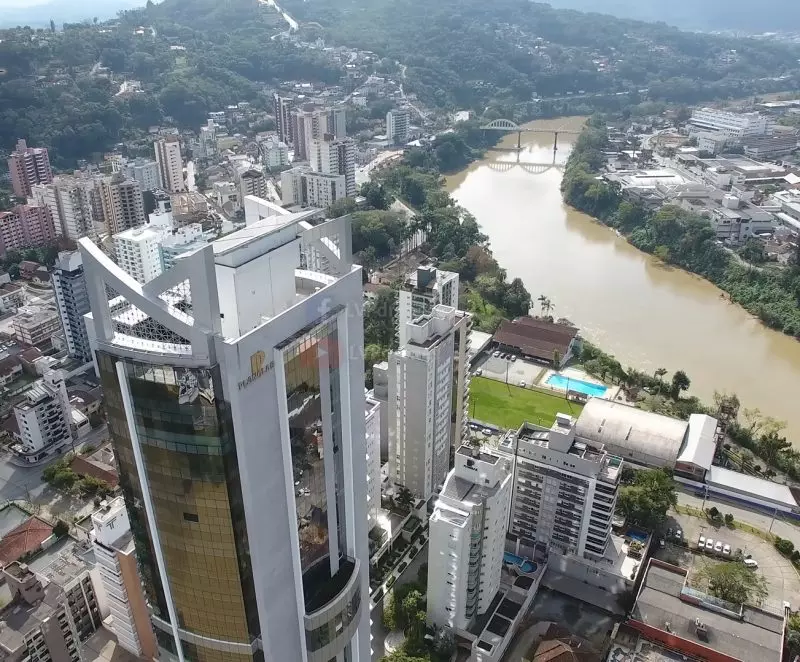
{"x":739,"y":485}
{"x":700,"y":443}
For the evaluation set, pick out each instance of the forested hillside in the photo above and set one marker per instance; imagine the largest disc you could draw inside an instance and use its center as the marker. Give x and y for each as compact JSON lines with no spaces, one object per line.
{"x":470,"y":52}
{"x":57,"y":88}
{"x":709,"y":15}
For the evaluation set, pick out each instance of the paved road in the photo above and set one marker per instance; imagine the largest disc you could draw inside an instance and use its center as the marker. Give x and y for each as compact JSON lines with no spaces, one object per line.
{"x":26,"y":482}
{"x":757,"y":518}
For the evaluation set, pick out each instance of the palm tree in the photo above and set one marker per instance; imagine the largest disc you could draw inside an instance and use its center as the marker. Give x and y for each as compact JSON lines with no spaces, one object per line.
{"x":658,"y":374}
{"x":405,"y":499}
{"x":542,"y":298}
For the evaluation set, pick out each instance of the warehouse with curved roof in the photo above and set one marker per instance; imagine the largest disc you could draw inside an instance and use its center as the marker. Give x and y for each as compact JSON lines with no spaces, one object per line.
{"x":633,"y":434}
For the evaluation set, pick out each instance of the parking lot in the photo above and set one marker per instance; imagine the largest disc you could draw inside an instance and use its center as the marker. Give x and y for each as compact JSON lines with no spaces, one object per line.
{"x":516,"y":371}
{"x":782,"y":579}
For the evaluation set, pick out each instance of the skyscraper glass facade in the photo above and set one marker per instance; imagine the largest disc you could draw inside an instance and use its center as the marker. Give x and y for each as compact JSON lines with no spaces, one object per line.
{"x":191,"y":474}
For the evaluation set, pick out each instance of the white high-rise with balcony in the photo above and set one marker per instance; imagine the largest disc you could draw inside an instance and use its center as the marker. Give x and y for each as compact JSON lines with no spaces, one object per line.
{"x":421,"y":290}
{"x":421,"y":402}
{"x":467,"y":538}
{"x":138,"y":253}
{"x":234,"y":388}
{"x":43,"y":418}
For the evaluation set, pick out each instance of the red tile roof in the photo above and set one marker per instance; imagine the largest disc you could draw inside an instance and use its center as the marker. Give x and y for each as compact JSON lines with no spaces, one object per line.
{"x":27,"y":537}
{"x":82,"y":466}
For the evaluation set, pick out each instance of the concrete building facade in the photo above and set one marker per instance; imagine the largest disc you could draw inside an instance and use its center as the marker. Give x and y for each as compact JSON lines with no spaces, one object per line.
{"x":72,"y":299}
{"x":467,"y":538}
{"x":28,"y":166}
{"x":397,"y":124}
{"x":123,"y":204}
{"x":43,"y":418}
{"x":115,"y":553}
{"x":170,"y":164}
{"x":565,"y":490}
{"x":421,"y":403}
{"x":26,"y":226}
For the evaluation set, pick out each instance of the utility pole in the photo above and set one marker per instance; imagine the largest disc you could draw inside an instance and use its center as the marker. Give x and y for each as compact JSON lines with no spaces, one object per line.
{"x":774,"y":515}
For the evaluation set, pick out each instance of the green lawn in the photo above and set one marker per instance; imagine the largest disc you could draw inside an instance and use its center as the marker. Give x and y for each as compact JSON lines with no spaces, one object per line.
{"x":508,"y":406}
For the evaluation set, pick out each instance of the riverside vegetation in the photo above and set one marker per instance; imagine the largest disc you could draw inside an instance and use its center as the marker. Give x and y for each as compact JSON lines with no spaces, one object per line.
{"x":679,"y":237}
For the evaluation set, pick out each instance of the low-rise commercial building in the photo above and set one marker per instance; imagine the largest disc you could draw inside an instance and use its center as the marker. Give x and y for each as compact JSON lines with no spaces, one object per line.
{"x":702,"y":627}
{"x":537,"y":339}
{"x":34,"y":325}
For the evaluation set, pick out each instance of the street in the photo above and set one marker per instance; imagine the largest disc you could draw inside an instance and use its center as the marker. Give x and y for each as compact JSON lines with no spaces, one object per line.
{"x":26,"y":483}
{"x":758,"y":519}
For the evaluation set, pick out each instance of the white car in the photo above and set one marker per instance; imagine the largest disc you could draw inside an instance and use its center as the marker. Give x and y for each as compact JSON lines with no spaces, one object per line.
{"x":513,"y":357}
{"x":523,"y":384}
{"x":496,"y":355}
{"x":709,"y":544}
{"x":718,"y":547}
{"x":487,"y":432}
{"x":479,"y":372}
{"x":751,"y":563}
{"x":726,"y":550}
{"x":702,"y":542}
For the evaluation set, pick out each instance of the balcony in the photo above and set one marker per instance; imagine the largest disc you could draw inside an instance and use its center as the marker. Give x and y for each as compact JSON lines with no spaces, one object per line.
{"x":333,"y":607}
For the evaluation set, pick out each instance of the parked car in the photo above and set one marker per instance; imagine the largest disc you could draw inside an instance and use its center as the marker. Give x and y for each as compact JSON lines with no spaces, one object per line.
{"x":702,"y":542}
{"x":709,"y":545}
{"x":751,"y":563}
{"x":523,"y":383}
{"x":718,"y":547}
{"x":487,"y":431}
{"x":474,"y":426}
{"x":479,"y":372}
{"x":496,"y":355}
{"x":513,"y":357}
{"x":669,"y":533}
{"x":726,"y":550}
{"x":679,"y":534}
{"x":661,"y":543}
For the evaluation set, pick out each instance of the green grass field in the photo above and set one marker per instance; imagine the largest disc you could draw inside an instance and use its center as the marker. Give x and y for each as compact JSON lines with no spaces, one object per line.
{"x":508,"y":406}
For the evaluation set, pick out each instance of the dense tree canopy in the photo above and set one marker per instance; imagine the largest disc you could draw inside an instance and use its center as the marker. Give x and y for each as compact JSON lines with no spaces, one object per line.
{"x":646,"y":500}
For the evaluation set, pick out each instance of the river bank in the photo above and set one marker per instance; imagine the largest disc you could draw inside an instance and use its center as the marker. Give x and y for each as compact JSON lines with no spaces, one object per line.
{"x":648,"y":314}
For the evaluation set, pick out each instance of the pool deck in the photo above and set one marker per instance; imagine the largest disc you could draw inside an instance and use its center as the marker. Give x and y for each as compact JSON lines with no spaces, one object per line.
{"x":579,"y":375}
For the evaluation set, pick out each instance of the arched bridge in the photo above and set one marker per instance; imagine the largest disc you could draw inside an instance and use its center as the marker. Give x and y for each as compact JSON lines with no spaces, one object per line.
{"x":510,"y":125}
{"x":532,"y":168}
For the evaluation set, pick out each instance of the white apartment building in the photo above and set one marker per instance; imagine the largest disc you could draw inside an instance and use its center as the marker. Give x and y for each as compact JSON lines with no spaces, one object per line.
{"x":144,"y":171}
{"x":420,"y":292}
{"x":114,"y":551}
{"x":732,"y":125}
{"x":467,"y":538}
{"x":421,"y":402}
{"x":331,"y":156}
{"x":565,"y":490}
{"x":323,"y":190}
{"x":138,"y":253}
{"x":43,"y":418}
{"x":293,"y":186}
{"x":170,"y":164}
{"x":372,"y":425}
{"x":207,"y":144}
{"x":253,"y":346}
{"x":397,"y":125}
{"x":36,"y":324}
{"x":275,"y":153}
{"x":310,"y":124}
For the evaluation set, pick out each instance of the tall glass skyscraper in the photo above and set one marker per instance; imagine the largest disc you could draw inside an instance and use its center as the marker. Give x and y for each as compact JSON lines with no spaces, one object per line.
{"x":234,"y":392}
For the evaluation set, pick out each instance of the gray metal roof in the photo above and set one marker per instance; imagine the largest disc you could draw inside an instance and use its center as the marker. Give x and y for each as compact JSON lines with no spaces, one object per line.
{"x":757,"y":636}
{"x":627,"y":431}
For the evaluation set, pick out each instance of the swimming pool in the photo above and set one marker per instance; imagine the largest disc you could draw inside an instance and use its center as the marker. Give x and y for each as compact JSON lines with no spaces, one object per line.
{"x":633,"y":534}
{"x":524,"y":564}
{"x":587,"y":388}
